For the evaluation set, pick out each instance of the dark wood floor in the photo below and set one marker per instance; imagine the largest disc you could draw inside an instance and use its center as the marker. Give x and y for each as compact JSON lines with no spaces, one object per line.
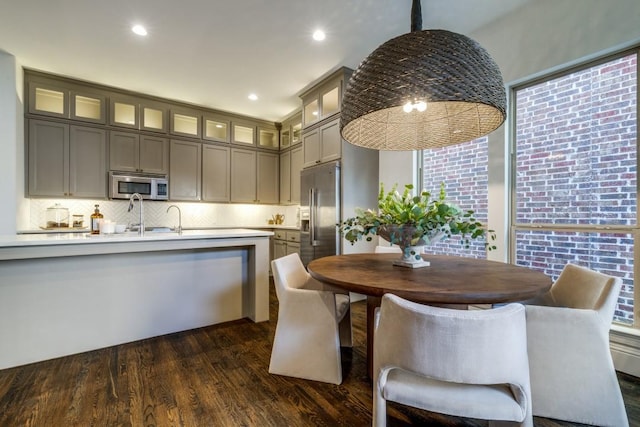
{"x":215,"y":376}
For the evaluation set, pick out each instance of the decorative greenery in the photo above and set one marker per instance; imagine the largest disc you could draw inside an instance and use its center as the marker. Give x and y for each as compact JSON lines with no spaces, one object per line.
{"x":408,"y":220}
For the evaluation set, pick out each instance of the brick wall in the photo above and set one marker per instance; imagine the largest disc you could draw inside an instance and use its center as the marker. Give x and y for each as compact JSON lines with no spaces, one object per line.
{"x":576,"y":154}
{"x":463,"y":169}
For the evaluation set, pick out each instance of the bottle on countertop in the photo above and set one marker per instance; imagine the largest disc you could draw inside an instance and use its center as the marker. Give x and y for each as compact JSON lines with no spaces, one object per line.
{"x":96,"y":216}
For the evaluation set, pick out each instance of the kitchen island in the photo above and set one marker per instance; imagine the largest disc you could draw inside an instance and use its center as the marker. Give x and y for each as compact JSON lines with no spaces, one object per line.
{"x":62,"y":294}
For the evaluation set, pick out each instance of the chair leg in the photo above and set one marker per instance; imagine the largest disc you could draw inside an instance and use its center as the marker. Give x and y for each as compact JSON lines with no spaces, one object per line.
{"x":379,"y":408}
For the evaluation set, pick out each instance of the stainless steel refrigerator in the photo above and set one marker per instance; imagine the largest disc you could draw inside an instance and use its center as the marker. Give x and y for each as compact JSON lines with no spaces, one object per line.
{"x":319,"y":211}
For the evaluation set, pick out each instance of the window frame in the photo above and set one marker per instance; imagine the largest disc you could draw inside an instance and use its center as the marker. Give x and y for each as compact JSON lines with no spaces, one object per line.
{"x":514,"y":226}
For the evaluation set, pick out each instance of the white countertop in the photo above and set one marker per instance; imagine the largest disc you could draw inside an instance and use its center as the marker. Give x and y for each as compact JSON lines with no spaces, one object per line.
{"x":49,"y":239}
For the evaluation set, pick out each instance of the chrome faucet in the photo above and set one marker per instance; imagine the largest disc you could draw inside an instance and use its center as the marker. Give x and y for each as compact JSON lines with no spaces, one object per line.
{"x":141,"y":224}
{"x":179,"y":217}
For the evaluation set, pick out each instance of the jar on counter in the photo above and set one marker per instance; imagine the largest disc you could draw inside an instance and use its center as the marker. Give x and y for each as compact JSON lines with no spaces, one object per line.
{"x":57,"y":216}
{"x":78,"y":221}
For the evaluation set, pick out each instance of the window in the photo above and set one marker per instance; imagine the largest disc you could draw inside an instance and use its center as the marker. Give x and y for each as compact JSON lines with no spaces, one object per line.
{"x":463,"y":169}
{"x":574,"y":172}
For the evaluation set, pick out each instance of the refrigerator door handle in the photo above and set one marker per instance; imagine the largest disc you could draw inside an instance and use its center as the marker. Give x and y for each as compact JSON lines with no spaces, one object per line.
{"x":312,"y":216}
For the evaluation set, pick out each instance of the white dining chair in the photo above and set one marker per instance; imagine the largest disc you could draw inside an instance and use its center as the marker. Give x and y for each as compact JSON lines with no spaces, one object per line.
{"x":456,"y":362}
{"x":572,"y":372}
{"x":314,"y":321}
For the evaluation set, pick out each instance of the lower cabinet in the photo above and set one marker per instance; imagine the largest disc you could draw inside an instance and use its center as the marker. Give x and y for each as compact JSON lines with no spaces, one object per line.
{"x":285,"y":243}
{"x":66,"y":160}
{"x":185,"y":160}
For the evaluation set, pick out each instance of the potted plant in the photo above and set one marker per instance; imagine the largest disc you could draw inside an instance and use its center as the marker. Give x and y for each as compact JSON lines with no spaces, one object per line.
{"x":414,"y":221}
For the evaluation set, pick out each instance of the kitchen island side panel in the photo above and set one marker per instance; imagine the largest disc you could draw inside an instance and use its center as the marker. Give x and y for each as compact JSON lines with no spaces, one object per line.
{"x":56,"y":306}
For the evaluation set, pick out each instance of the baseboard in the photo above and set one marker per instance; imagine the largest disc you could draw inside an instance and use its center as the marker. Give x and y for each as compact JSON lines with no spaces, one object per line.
{"x":625,"y":349}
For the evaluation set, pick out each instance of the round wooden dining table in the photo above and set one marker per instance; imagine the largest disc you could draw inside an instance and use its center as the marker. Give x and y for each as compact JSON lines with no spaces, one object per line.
{"x":450,"y":281}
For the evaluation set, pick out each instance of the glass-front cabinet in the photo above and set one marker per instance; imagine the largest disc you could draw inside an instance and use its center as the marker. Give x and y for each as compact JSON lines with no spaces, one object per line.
{"x":153,"y":116}
{"x":124,"y":112}
{"x":244,"y":133}
{"x":324,"y":99}
{"x":268,"y":137}
{"x":185,"y":122}
{"x":216,"y":128}
{"x":88,"y":107}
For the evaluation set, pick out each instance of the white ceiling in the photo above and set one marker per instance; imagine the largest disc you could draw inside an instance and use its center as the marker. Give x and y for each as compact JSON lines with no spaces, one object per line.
{"x":214,"y":53}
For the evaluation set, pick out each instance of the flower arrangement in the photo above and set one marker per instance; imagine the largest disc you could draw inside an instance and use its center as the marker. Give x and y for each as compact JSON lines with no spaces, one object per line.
{"x":408,"y":220}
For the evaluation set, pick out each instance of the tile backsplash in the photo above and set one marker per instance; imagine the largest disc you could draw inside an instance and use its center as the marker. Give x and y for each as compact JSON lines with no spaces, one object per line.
{"x":194,"y":215}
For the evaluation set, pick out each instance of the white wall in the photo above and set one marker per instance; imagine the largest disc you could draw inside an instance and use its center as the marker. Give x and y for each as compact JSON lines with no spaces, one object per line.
{"x":11,"y":143}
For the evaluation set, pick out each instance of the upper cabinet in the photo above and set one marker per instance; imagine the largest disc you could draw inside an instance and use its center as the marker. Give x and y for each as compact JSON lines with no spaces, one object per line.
{"x":153,"y":116}
{"x":268,"y":137}
{"x":185,"y":122}
{"x":216,"y":128}
{"x":323,"y":100}
{"x":244,"y":132}
{"x":290,"y":133}
{"x":66,"y":101}
{"x":124,"y":112}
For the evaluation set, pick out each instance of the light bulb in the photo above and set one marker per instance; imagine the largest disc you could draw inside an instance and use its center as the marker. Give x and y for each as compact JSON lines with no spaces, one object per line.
{"x":421,"y":106}
{"x":407,"y":107}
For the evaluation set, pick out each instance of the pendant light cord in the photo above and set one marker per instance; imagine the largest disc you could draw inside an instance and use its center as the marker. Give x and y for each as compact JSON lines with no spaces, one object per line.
{"x":416,"y":16}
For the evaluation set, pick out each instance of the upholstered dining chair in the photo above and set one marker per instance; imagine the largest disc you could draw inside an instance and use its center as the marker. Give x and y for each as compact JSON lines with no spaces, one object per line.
{"x":387,"y":249}
{"x":314,"y":321}
{"x":456,"y":362}
{"x":572,"y":372}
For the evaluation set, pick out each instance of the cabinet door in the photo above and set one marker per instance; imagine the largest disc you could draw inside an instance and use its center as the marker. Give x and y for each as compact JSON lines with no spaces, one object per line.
{"x":285,"y":178}
{"x":244,"y":133}
{"x":48,"y":158}
{"x":154,"y":154}
{"x":88,"y":107}
{"x":293,"y":248}
{"x":185,"y":170}
{"x":268,"y":138}
{"x":216,"y":174}
{"x":153,"y":117}
{"x":243,"y":176}
{"x":87,"y":162}
{"x":185,"y":122}
{"x":48,"y":100}
{"x":124,"y":112}
{"x":124,"y":151}
{"x":268,"y":182}
{"x":311,"y":145}
{"x":296,"y":167}
{"x":279,"y":249}
{"x":330,"y":142}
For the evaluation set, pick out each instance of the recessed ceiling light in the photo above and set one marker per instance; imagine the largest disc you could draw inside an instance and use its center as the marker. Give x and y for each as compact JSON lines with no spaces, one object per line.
{"x":319,"y":35}
{"x":253,"y":97}
{"x":139,"y":30}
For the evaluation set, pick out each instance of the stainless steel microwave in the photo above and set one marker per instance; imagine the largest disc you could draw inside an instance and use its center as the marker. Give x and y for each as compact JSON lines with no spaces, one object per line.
{"x":150,"y":186}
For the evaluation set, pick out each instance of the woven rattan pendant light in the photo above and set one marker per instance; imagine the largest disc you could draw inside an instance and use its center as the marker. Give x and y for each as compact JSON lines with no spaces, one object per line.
{"x":452,"y":75}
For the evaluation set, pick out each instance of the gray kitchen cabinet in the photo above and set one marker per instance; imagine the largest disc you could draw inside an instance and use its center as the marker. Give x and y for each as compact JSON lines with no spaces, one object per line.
{"x":153,"y":116}
{"x":324,"y":99}
{"x":124,"y":112}
{"x":243,"y":176}
{"x":290,"y":166}
{"x":216,"y":128}
{"x":254,"y":176}
{"x":57,"y":99}
{"x":297,"y":162}
{"x":186,"y":122}
{"x":268,"y":186}
{"x":216,"y":173}
{"x":285,"y":178}
{"x":243,"y":132}
{"x":285,"y":243}
{"x":268,"y":137}
{"x":133,"y":152}
{"x":185,"y":170}
{"x":322,"y":144}
{"x":66,"y":160}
